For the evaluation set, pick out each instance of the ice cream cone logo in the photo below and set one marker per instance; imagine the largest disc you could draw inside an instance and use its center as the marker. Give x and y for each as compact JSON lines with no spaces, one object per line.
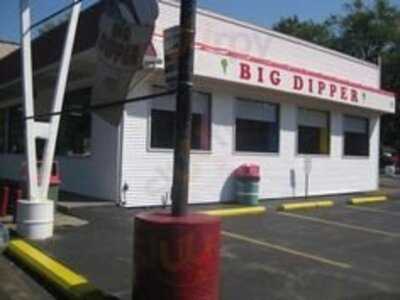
{"x":224,"y":65}
{"x":364,"y":95}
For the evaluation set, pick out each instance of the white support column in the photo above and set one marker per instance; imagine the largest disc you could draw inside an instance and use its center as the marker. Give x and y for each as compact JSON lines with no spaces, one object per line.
{"x":35,"y":216}
{"x":58,"y":100}
{"x":28,"y":99}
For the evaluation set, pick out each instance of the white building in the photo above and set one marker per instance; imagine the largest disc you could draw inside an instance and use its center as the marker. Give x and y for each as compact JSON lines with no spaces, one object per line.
{"x":262,"y":97}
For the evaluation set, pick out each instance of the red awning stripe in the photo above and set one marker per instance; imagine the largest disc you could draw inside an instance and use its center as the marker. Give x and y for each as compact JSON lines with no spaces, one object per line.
{"x":286,"y":67}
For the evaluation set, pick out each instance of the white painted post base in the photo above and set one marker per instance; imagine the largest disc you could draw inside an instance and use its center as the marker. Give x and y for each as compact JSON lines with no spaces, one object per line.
{"x":35,"y":219}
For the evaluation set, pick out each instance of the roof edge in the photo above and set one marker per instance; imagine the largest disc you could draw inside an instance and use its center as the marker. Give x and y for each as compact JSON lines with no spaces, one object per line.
{"x":287,"y":37}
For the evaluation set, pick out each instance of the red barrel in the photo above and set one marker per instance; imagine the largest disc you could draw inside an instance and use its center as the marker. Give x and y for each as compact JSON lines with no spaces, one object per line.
{"x":176,"y":258}
{"x":247,"y":179}
{"x":248,"y":171}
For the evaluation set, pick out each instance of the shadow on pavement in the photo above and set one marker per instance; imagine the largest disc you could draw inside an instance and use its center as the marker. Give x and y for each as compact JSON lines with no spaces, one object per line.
{"x":378,"y":296}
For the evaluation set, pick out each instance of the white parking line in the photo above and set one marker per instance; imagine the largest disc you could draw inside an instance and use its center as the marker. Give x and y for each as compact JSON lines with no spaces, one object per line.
{"x":287,"y":250}
{"x":339,"y":224}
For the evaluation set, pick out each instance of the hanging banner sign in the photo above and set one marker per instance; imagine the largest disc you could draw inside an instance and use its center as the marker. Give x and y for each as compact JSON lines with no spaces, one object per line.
{"x":171,"y":55}
{"x":125,"y":33}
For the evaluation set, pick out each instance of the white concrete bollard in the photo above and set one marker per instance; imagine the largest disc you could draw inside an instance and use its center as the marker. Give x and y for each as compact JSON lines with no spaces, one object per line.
{"x":35,"y":219}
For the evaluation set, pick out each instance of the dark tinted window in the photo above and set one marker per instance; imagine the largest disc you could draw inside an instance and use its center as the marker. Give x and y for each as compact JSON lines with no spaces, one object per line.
{"x":76,"y":127}
{"x":16,"y":130}
{"x":356,"y":136}
{"x":163,"y":123}
{"x":257,"y":127}
{"x":313,"y":134}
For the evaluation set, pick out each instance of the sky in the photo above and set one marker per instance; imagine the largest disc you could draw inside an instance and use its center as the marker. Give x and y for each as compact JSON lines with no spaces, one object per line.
{"x":260,"y":12}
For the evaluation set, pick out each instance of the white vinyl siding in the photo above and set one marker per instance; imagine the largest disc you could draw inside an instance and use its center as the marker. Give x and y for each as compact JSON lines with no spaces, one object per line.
{"x":149,"y":173}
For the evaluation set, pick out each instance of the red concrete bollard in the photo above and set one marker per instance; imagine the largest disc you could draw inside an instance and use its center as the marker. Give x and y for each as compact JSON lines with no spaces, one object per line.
{"x":176,"y":258}
{"x":5,"y":198}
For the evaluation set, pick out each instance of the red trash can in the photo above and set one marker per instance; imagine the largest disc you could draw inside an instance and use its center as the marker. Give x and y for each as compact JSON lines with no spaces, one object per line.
{"x":247,"y":179}
{"x":55,"y":181}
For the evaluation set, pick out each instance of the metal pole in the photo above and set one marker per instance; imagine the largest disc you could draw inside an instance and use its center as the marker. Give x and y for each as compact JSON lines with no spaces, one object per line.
{"x":26,"y":52}
{"x":307,"y":186}
{"x":183,"y":126}
{"x":59,"y":99}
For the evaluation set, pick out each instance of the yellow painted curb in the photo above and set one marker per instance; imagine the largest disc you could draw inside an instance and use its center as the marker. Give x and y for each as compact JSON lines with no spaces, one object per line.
{"x":71,"y":284}
{"x":377,"y":193}
{"x":305,"y":205}
{"x":367,"y":200}
{"x":236,"y":212}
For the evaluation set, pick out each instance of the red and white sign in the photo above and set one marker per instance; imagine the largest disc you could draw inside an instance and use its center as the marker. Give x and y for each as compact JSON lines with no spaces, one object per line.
{"x":300,"y":83}
{"x":125,"y":32}
{"x":227,"y":65}
{"x":236,"y":67}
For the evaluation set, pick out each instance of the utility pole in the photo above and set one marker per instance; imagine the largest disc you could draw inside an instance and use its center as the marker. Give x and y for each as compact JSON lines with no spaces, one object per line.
{"x":183,"y":126}
{"x":188,"y":243}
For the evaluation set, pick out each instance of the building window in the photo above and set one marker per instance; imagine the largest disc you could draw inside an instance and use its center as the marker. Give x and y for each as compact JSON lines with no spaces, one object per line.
{"x":356,"y":136}
{"x":76,"y":127}
{"x":16,"y":130}
{"x":3,"y":133}
{"x":163,"y":122}
{"x":257,"y":127}
{"x":313,"y":132}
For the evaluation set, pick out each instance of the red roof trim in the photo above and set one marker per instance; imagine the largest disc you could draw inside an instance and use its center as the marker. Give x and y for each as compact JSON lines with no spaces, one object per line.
{"x":266,"y":62}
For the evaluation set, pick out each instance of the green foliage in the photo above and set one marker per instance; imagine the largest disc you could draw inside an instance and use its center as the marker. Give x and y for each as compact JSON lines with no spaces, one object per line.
{"x":391,"y":81}
{"x":307,"y":30}
{"x":366,"y":30}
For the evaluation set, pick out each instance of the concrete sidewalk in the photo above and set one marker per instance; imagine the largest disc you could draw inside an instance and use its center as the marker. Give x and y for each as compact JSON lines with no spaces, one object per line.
{"x":17,"y":285}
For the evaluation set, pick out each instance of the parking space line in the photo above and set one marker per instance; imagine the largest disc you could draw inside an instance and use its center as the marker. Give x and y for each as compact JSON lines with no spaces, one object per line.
{"x":381,"y":211}
{"x":276,"y":247}
{"x":344,"y":225}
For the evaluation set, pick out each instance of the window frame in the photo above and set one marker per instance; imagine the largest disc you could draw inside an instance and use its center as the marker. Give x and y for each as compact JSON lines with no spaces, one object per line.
{"x":149,"y":108}
{"x":7,"y":110}
{"x":18,"y":106}
{"x":234,"y":131}
{"x":297,"y":136}
{"x":74,"y":155}
{"x":347,"y":156}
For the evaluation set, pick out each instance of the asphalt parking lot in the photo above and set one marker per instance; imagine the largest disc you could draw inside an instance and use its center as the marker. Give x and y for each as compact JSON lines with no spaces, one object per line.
{"x":337,"y":253}
{"x":333,"y":253}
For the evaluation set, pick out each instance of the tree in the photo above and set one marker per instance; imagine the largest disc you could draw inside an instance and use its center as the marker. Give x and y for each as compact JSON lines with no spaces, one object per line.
{"x":368,"y":32}
{"x":320,"y":34}
{"x":391,"y":81}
